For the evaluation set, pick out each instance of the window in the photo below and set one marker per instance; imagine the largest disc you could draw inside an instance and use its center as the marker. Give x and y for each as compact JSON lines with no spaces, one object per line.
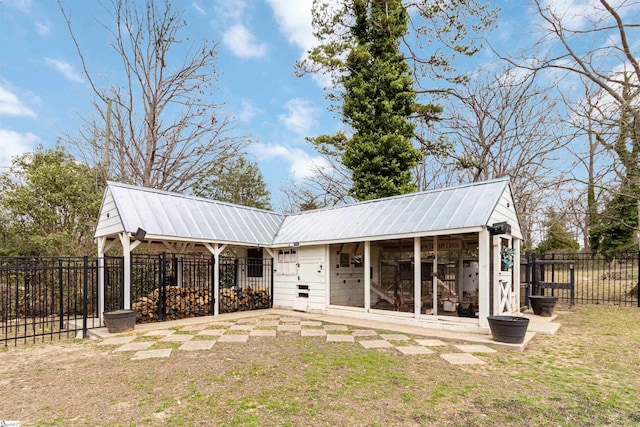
{"x":254,"y":262}
{"x":288,"y":261}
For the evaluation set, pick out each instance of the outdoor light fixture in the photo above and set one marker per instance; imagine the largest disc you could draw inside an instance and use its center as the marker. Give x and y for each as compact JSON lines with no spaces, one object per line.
{"x":140,"y":233}
{"x":500,"y":228}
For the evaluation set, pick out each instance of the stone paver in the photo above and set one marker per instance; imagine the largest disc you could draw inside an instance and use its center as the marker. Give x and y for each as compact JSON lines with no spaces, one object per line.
{"x":159,"y":333}
{"x":431,"y":342}
{"x":263,"y":333}
{"x":197,"y":345}
{"x":313,"y":333}
{"x":177,"y":338}
{"x":375,"y":344}
{"x":413,"y":349}
{"x":212,"y":332}
{"x":336,"y":328}
{"x":151,"y":354}
{"x":339,"y":338}
{"x":394,"y":337}
{"x":117,"y":340}
{"x":461,"y":359}
{"x":290,"y":319}
{"x":251,"y":320}
{"x":364,"y":333}
{"x":310,"y":323}
{"x":233,"y":338}
{"x":135,"y":346}
{"x":268,"y":323}
{"x":193,"y":328}
{"x":221,"y":324}
{"x":289,"y":328}
{"x":475,"y":348}
{"x":241,"y":328}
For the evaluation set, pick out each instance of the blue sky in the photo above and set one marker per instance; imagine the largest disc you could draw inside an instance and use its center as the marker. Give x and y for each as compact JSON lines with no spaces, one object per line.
{"x":43,"y":91}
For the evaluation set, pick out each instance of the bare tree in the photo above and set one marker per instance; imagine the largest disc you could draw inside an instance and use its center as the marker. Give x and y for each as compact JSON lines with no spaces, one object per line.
{"x":165,"y":129}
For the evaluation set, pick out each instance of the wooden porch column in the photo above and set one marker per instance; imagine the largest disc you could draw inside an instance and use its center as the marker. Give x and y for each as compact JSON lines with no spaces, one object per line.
{"x":516,"y":275}
{"x":417,"y":277}
{"x":127,"y":247}
{"x":101,"y":244}
{"x":367,"y":276}
{"x":216,"y":250}
{"x":484,"y":276}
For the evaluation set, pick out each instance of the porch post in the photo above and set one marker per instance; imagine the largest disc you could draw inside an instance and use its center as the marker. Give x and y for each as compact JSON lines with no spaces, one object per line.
{"x":434,"y":277}
{"x":484,"y":279}
{"x":216,"y":281}
{"x":101,"y":243}
{"x":516,"y":275}
{"x":367,"y":276}
{"x":126,"y":253}
{"x":417,"y":277}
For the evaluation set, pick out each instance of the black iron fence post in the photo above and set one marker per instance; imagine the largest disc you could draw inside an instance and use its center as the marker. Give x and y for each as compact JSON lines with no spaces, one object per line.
{"x":85,"y":294}
{"x":271,"y":294}
{"x":534,"y":275}
{"x":60,"y":295}
{"x":162,"y":291}
{"x":572,"y":304}
{"x":638,"y":280}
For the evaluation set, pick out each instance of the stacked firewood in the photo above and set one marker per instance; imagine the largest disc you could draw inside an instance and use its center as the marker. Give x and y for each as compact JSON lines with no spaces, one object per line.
{"x":182,"y":302}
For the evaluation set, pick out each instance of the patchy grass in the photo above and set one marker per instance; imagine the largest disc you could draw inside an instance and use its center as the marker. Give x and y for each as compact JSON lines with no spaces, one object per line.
{"x":584,"y":376}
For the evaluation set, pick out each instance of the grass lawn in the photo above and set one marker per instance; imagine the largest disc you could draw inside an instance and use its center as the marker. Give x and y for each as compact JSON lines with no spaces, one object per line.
{"x":586,"y":375}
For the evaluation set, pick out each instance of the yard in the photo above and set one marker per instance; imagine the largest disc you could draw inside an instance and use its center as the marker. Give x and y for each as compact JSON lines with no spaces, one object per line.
{"x":585,"y":375}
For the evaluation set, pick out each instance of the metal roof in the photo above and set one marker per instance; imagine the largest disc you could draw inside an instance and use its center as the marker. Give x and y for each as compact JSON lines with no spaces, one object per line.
{"x":175,"y":216}
{"x":457,"y":208}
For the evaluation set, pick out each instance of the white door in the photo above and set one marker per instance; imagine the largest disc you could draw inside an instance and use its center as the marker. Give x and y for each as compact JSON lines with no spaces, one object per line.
{"x":502,"y":283}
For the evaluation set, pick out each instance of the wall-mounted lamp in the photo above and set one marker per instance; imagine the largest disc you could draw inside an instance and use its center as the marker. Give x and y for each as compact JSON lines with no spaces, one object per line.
{"x":140,"y":234}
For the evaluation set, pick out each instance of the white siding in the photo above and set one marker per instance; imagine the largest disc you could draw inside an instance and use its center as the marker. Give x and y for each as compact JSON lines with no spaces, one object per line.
{"x":311,"y":272}
{"x":109,"y":221}
{"x":346,"y":282}
{"x":506,"y":211}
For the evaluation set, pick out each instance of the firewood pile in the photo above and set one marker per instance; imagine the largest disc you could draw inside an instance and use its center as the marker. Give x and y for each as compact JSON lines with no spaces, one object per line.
{"x":185,"y":302}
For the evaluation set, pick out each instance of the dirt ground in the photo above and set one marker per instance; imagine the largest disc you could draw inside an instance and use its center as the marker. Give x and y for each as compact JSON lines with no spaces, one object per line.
{"x":585,"y":375}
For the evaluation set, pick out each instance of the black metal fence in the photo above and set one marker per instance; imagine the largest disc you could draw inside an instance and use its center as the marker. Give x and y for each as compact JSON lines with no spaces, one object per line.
{"x":245,"y":284}
{"x":42,"y":298}
{"x":584,"y":278}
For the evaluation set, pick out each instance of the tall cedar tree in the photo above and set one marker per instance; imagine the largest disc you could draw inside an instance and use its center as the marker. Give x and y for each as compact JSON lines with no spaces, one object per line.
{"x":379,"y":100}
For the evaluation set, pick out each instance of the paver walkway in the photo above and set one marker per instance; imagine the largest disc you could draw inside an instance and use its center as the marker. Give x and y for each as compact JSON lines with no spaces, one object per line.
{"x":204,"y":337}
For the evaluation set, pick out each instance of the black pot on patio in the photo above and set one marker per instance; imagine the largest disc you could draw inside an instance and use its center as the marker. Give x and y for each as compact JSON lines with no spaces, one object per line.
{"x":508,"y":329}
{"x":543,"y":305}
{"x":118,"y":321}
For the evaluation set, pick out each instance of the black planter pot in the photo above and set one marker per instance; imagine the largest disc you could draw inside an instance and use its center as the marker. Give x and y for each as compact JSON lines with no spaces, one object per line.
{"x":118,"y":321}
{"x":509,"y":329}
{"x":543,"y":305}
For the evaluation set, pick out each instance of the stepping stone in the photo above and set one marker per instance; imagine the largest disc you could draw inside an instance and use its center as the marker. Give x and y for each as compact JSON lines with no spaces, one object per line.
{"x":233,"y":338}
{"x":336,"y":328}
{"x":364,"y":333}
{"x":475,"y":348}
{"x":263,"y":333}
{"x":251,"y":320}
{"x":461,"y":359}
{"x":394,"y":337}
{"x":241,"y":328}
{"x":177,"y":338}
{"x":375,"y":344}
{"x":212,"y":332}
{"x":159,"y":333}
{"x":150,"y":354}
{"x":413,"y":349}
{"x":431,"y":342}
{"x":269,"y":323}
{"x":270,"y":317}
{"x":197,"y":345}
{"x":313,"y":333}
{"x":117,"y":340}
{"x":193,"y":328}
{"x":310,"y":323}
{"x":221,"y":324}
{"x":339,"y":338}
{"x":289,"y":319}
{"x":135,"y":346}
{"x":289,"y":328}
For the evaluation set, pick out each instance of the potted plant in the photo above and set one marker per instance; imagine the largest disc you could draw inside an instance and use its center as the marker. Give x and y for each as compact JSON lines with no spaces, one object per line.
{"x":118,"y":321}
{"x":543,"y":305}
{"x":508,"y":329}
{"x":506,"y":258}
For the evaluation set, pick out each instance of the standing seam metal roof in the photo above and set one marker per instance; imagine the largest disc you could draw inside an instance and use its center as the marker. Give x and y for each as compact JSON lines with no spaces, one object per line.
{"x":176,"y":216}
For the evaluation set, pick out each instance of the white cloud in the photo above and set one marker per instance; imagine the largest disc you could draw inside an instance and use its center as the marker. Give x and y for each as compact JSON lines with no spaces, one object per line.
{"x":301,"y":164}
{"x":230,"y":11}
{"x":247,"y":111}
{"x":10,"y":105}
{"x":294,"y":21}
{"x":43,"y":28}
{"x":22,"y":5}
{"x":13,"y":144}
{"x":198,"y":9}
{"x":300,"y":116}
{"x":242,"y":43}
{"x":64,"y":68}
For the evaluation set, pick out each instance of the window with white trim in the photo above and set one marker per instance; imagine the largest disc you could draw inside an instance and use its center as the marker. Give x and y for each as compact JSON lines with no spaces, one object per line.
{"x":287,"y":262}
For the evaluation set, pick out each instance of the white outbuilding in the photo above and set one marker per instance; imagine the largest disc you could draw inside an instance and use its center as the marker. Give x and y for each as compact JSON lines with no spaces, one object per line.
{"x":445,"y":258}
